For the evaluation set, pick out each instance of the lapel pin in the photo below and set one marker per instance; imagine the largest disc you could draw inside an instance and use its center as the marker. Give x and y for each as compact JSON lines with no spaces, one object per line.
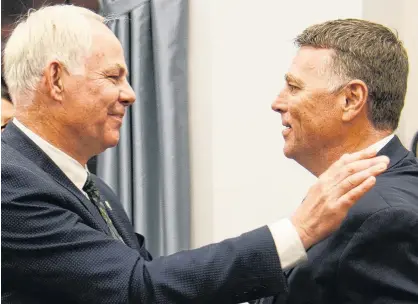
{"x":108,"y":205}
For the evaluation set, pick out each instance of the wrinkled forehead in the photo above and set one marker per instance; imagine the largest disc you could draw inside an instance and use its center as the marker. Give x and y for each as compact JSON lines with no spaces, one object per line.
{"x":106,"y":50}
{"x":312,"y":66}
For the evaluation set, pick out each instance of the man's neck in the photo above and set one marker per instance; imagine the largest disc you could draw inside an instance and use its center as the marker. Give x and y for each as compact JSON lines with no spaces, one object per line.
{"x":321,"y":162}
{"x":47,"y":130}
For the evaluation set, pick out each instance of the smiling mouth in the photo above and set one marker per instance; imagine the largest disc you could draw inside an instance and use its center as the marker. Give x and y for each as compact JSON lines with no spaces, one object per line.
{"x":286,"y":129}
{"x":286,"y":125}
{"x":117,"y":117}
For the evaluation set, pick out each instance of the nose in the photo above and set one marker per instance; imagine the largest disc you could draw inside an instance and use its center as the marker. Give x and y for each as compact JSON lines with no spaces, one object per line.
{"x":279,"y":104}
{"x":127,"y":95}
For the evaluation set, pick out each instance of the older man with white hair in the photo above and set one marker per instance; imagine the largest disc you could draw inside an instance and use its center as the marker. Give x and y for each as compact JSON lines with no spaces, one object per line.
{"x":65,"y":235}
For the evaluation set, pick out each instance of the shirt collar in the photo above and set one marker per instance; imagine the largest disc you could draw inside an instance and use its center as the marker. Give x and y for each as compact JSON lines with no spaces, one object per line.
{"x":383,"y":142}
{"x":71,"y":168}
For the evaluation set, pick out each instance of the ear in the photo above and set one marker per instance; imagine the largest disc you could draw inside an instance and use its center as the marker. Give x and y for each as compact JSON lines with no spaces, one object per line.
{"x":356,"y":93}
{"x":54,"y":73}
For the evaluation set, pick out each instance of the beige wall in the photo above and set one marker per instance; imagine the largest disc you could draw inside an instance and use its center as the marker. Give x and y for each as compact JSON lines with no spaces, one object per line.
{"x":200,"y":109}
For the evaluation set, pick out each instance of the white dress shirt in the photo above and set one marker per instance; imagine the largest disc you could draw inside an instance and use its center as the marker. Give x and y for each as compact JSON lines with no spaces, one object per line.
{"x":288,"y":243}
{"x":383,"y":142}
{"x":71,"y":168}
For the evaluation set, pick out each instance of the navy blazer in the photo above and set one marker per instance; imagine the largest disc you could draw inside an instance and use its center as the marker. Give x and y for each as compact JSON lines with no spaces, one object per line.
{"x":56,"y":248}
{"x":373,"y":257}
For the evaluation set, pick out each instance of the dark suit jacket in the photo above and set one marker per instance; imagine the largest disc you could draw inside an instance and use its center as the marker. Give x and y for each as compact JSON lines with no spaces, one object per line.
{"x":373,"y":257}
{"x":56,"y":248}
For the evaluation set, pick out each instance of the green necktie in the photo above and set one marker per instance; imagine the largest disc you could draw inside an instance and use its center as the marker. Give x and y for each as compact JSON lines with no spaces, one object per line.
{"x":93,"y":193}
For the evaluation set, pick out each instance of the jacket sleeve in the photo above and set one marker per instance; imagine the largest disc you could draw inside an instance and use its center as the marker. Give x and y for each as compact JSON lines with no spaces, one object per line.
{"x":391,"y":276}
{"x":47,"y":246}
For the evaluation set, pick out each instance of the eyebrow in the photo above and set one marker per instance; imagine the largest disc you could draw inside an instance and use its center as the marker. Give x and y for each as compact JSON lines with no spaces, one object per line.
{"x":292,"y":79}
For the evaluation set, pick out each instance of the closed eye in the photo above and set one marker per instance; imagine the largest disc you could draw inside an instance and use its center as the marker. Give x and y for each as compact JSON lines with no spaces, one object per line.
{"x":114,"y":78}
{"x":292,"y":88}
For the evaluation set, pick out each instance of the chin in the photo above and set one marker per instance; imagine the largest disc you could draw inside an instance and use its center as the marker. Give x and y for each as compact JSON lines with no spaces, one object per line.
{"x":112,"y":140}
{"x":113,"y":143}
{"x":288,"y":152}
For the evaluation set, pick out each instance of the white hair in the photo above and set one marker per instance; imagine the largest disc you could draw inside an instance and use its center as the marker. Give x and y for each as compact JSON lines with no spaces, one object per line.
{"x":58,"y":32}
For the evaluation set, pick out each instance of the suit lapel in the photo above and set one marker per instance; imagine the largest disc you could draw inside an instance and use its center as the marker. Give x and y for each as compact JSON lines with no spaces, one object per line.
{"x":16,"y":139}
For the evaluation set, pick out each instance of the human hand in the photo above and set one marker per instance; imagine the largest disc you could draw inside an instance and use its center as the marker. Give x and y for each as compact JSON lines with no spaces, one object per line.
{"x":336,"y":191}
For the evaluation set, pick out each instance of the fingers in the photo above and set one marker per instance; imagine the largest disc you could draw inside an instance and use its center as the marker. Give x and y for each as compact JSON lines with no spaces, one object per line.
{"x":350,"y":158}
{"x":338,"y":189}
{"x":361,"y":165}
{"x":363,"y":154}
{"x":354,"y":180}
{"x":352,"y":196}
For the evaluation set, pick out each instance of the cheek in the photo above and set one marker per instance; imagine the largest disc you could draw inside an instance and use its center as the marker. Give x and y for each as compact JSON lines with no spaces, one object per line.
{"x":110,"y":92}
{"x":308,"y":117}
{"x":301,"y":110}
{"x":324,"y":119}
{"x":102,"y":101}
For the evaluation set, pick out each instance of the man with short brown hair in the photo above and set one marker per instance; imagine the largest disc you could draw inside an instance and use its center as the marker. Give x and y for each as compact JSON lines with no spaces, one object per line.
{"x":344,"y":91}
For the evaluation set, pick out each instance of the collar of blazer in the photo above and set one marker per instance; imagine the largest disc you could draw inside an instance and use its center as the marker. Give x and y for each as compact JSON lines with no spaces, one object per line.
{"x":16,"y":139}
{"x":395,"y":151}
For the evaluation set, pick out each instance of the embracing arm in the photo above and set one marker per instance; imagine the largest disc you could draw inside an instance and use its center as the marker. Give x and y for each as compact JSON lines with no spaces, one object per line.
{"x":52,"y":248}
